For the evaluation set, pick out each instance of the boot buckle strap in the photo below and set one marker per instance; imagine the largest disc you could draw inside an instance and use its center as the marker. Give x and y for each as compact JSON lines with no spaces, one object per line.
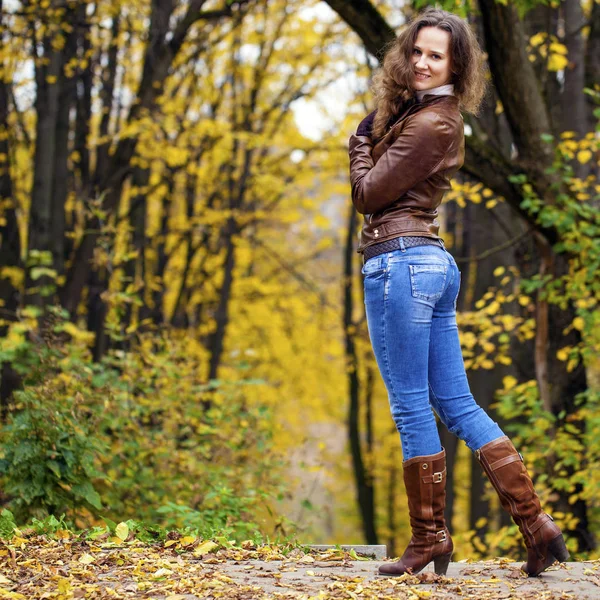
{"x":506,"y":460}
{"x":434,"y":478}
{"x":542,"y":519}
{"x":440,"y":536}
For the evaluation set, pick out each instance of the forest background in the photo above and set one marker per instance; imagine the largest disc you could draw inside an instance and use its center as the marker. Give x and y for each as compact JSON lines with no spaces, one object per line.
{"x":183,"y":336}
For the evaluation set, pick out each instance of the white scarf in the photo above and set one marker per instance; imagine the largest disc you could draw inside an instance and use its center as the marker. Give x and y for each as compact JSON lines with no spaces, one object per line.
{"x":441,"y":90}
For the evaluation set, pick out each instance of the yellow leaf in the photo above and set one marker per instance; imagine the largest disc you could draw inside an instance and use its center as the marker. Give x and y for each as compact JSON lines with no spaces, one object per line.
{"x":509,"y":382}
{"x":13,"y":274}
{"x":12,"y":595}
{"x":493,"y":307}
{"x":187,"y":540}
{"x":524,"y":300}
{"x":205,"y":548}
{"x":307,"y":559}
{"x":558,"y":48}
{"x":562,"y":354}
{"x":487,"y":364}
{"x":584,"y":156}
{"x":86,"y":559}
{"x":557,"y":62}
{"x":162,"y":573}
{"x":537,"y":39}
{"x":122,"y":531}
{"x":78,"y":334}
{"x":321,"y":222}
{"x":578,"y":323}
{"x":499,"y":271}
{"x":63,"y":534}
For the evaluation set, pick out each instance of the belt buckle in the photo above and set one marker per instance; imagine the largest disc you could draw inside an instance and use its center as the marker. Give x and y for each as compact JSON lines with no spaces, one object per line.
{"x":437,"y":477}
{"x":443,"y":538}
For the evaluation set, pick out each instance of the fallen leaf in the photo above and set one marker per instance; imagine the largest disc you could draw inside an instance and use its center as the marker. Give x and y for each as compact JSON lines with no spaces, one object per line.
{"x":205,"y":548}
{"x":162,"y":573}
{"x":122,"y":531}
{"x":187,"y":540}
{"x":307,"y":559}
{"x":86,"y":559}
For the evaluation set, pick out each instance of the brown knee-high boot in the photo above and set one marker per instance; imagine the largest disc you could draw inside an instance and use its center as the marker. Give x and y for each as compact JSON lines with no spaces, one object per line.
{"x":425,"y":481}
{"x":505,"y":469}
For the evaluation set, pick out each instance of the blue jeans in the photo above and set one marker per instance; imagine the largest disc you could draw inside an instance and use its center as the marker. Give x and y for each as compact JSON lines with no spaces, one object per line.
{"x":410,"y":297}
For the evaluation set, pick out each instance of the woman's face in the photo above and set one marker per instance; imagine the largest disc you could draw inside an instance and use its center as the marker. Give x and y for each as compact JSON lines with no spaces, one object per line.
{"x":431,"y":58}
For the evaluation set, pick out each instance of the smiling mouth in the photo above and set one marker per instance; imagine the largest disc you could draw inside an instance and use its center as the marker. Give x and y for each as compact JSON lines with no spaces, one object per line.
{"x":422,"y":75}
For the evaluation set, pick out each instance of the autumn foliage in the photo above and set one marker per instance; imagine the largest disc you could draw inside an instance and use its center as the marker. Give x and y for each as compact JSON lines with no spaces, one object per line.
{"x":183,"y":338}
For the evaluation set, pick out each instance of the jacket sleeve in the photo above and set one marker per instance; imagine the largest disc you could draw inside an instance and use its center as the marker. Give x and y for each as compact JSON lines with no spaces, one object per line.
{"x":413,"y":157}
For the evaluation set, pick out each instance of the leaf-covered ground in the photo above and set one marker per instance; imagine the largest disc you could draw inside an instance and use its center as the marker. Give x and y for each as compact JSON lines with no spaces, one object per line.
{"x":184,"y":568}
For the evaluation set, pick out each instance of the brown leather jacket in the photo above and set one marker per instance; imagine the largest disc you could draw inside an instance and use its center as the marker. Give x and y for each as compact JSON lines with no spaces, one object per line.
{"x":399,"y":183}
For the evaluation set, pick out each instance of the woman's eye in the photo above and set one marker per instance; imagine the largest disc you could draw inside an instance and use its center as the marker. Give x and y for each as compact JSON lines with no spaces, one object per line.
{"x":415,"y":51}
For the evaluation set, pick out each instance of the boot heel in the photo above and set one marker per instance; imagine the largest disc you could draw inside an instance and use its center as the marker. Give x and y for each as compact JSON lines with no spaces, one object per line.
{"x":440,"y":563}
{"x":558,"y":548}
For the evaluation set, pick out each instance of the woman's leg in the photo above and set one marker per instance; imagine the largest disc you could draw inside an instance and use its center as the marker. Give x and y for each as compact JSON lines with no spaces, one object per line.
{"x":503,"y":465}
{"x":401,"y":289}
{"x":449,"y":390}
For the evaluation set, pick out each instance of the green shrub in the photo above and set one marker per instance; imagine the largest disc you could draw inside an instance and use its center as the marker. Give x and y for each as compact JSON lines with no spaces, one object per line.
{"x":49,"y":449}
{"x":138,"y":436}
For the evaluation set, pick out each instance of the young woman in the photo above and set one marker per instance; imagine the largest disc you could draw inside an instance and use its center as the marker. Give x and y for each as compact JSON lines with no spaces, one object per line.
{"x":402,"y":159}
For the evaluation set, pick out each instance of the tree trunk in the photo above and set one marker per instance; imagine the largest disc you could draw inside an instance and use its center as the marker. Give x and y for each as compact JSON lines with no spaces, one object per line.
{"x":135,"y":269}
{"x":592,"y":61}
{"x":391,"y":504}
{"x":10,"y":243}
{"x":42,"y":220}
{"x":217,"y":338}
{"x":365,"y":492}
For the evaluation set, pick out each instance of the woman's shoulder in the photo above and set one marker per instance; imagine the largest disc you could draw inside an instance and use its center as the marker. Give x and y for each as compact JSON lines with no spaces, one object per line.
{"x":440,"y":116}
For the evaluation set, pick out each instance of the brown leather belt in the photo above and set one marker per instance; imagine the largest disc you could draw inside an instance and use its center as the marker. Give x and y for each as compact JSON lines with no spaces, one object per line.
{"x":394,"y":244}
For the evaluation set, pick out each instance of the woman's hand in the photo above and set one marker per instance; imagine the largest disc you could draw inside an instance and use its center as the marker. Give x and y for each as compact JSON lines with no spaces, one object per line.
{"x":366,"y":125}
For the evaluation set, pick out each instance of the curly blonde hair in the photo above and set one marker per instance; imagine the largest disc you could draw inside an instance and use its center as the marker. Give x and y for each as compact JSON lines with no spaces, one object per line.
{"x":392,"y":84}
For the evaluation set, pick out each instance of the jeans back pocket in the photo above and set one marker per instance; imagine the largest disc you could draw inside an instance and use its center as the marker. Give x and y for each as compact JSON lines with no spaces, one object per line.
{"x":373,"y":266}
{"x":428,"y":282}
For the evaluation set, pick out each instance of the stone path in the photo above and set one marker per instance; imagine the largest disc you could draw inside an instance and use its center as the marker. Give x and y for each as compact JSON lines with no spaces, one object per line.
{"x":479,"y":580}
